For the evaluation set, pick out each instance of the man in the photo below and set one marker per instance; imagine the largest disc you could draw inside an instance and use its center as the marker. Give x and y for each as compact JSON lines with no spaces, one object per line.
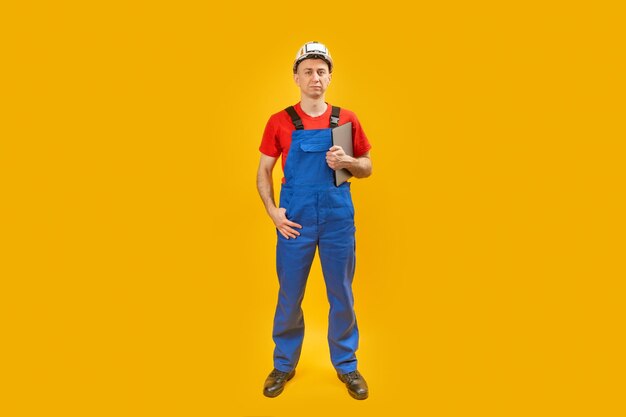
{"x":313,"y":212}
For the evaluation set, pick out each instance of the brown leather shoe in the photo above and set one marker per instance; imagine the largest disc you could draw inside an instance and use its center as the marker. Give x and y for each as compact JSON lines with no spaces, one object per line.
{"x":275,"y":382}
{"x":357,"y":387}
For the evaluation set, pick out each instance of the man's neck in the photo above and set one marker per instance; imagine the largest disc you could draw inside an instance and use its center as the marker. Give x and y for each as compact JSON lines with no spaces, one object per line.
{"x":313,"y":106}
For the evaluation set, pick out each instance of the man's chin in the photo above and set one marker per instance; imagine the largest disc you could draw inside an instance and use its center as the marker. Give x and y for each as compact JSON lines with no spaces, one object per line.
{"x":315,"y":94}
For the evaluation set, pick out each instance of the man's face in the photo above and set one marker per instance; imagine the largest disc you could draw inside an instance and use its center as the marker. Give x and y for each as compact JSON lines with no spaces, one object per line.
{"x":312,"y":77}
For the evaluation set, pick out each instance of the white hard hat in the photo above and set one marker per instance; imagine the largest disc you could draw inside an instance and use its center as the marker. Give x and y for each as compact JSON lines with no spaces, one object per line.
{"x":313,"y":50}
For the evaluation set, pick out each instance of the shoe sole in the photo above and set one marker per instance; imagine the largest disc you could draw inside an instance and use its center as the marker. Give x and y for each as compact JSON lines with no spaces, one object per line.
{"x":353,"y":395}
{"x":357,"y":397}
{"x":277,"y":393}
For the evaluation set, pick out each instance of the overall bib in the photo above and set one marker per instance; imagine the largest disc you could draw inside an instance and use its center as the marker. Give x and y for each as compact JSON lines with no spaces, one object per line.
{"x":326,"y":214}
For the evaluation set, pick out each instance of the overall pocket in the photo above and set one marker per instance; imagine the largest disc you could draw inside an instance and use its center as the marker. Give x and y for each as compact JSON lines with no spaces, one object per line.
{"x":285,"y":198}
{"x":312,"y":146}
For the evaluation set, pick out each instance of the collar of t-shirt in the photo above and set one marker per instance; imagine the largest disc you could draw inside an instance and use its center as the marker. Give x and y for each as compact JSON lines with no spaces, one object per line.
{"x":318,"y":122}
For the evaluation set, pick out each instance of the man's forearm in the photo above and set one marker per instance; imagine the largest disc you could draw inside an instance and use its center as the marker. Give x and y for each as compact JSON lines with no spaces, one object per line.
{"x":360,"y":167}
{"x":265,"y":186}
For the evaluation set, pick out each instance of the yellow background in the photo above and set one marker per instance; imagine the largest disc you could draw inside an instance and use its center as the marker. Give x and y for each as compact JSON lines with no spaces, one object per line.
{"x":137,"y":262}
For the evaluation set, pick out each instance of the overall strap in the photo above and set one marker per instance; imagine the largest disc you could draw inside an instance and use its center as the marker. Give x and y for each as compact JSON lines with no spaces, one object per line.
{"x":334,"y":116}
{"x":297,"y":122}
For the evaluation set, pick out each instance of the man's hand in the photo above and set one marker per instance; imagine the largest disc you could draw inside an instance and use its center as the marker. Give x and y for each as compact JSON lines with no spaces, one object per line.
{"x":283,"y":224}
{"x":360,"y":167}
{"x":336,"y":158}
{"x":266,"y":191}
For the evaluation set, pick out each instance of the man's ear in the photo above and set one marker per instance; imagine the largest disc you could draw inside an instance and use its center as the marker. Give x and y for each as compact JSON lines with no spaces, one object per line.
{"x":295,"y":78}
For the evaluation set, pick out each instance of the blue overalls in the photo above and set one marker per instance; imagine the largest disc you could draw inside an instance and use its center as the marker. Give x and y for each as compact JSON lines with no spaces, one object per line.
{"x":326,"y":214}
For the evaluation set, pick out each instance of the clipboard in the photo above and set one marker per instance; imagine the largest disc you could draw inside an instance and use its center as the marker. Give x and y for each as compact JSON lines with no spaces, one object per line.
{"x":342,"y":136}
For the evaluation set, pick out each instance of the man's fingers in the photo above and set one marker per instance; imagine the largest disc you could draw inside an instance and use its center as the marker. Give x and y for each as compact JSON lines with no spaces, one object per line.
{"x":287,"y":233}
{"x":291,"y":232}
{"x":294,"y":224}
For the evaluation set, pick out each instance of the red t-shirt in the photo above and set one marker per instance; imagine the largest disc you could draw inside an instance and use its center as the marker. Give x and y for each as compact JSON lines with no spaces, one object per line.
{"x":277,"y":136}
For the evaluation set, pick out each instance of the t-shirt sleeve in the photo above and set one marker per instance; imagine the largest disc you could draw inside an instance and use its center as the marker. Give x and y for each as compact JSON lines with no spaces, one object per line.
{"x":360,"y":143}
{"x":270,"y":145}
